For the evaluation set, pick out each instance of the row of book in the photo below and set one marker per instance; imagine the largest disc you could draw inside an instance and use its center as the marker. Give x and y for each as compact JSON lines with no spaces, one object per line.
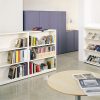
{"x":17,"y":71}
{"x":20,"y":70}
{"x":94,"y":36}
{"x":38,"y":50}
{"x":17,"y":56}
{"x":93,"y":59}
{"x":48,"y":64}
{"x":21,"y":42}
{"x":94,"y":47}
{"x":34,"y":41}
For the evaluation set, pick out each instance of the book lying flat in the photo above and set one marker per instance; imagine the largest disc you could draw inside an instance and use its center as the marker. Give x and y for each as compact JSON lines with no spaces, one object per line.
{"x":88,"y":83}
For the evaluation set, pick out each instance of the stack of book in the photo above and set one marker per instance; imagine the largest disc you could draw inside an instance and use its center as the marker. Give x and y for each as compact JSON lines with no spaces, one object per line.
{"x":21,"y":42}
{"x":17,"y":56}
{"x":17,"y":71}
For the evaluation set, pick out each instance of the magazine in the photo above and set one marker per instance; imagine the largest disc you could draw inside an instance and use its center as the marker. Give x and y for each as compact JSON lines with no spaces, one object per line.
{"x":88,"y":83}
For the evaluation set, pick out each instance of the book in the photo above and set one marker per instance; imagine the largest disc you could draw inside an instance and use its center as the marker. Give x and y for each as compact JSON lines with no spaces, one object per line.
{"x":16,"y":56}
{"x":30,"y":68}
{"x":18,"y":44}
{"x":91,"y":87}
{"x":12,"y":71}
{"x":25,"y":69}
{"x":25,"y":55}
{"x":24,"y":42}
{"x":88,"y":83}
{"x":29,"y":40}
{"x":21,"y":70}
{"x":50,"y":62}
{"x":18,"y":71}
{"x":9,"y":59}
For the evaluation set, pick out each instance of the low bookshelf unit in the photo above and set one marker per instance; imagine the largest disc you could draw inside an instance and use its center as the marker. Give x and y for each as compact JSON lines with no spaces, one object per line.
{"x":92,"y":45}
{"x":26,"y":54}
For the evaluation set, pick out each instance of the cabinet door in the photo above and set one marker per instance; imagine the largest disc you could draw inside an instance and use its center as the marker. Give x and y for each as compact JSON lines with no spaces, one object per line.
{"x":54,"y":24}
{"x":70,"y":41}
{"x":58,"y":22}
{"x":62,"y":32}
{"x":44,"y":19}
{"x":30,"y":19}
{"x":76,"y":40}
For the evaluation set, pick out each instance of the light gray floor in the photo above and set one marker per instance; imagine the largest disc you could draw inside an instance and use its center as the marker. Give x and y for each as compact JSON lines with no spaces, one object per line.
{"x":36,"y":88}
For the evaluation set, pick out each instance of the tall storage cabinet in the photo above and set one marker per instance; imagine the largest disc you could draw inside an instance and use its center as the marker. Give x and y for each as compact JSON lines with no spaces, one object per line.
{"x":26,"y":54}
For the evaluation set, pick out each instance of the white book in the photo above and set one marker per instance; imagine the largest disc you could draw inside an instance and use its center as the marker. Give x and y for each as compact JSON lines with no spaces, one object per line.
{"x":25,"y":55}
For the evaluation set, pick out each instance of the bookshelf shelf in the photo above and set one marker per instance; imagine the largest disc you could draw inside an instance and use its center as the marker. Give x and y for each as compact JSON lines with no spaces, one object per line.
{"x":92,"y":63}
{"x":6,"y":64}
{"x":16,"y":50}
{"x":92,"y":52}
{"x":92,"y":43}
{"x":43,"y":45}
{"x":42,"y":58}
{"x":6,"y":81}
{"x":9,"y":49}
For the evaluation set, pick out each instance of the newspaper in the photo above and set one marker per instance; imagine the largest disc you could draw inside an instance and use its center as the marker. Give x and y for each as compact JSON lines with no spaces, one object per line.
{"x":88,"y":83}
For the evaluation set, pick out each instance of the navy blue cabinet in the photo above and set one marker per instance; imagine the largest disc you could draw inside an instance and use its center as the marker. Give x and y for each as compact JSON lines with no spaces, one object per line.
{"x":76,"y":39}
{"x":44,"y":19}
{"x":30,"y":20}
{"x":71,"y":41}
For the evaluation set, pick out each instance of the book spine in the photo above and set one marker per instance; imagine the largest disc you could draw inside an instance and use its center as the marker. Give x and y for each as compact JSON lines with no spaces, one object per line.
{"x":25,"y":55}
{"x":30,"y":65}
{"x":18,"y":71}
{"x":16,"y":56}
{"x":25,"y":69}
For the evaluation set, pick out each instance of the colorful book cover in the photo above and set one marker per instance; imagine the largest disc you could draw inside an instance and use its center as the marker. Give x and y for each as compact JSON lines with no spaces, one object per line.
{"x":25,"y":69}
{"x":18,"y":71}
{"x":21,"y":71}
{"x":30,"y":67}
{"x":16,"y":56}
{"x":25,"y":55}
{"x":31,"y":41}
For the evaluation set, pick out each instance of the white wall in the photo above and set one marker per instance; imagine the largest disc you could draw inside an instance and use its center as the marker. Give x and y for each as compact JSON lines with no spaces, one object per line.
{"x":71,"y":6}
{"x":89,"y":15}
{"x":95,"y":9}
{"x":11,"y":15}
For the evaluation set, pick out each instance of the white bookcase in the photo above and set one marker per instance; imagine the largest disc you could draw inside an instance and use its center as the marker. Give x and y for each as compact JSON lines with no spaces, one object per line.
{"x":44,"y":52}
{"x":92,"y":45}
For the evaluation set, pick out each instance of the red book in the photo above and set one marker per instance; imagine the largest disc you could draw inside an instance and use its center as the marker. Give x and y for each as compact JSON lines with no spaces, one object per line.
{"x":38,"y":69}
{"x":30,"y":67}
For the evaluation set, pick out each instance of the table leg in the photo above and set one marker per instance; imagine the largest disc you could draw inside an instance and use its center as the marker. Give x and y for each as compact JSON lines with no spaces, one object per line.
{"x":77,"y":97}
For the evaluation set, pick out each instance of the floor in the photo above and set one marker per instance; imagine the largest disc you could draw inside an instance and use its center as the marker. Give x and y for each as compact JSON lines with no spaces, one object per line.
{"x":36,"y":88}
